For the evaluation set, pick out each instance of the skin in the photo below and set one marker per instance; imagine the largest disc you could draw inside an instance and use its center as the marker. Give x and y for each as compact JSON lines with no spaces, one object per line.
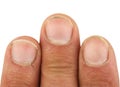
{"x":60,"y":65}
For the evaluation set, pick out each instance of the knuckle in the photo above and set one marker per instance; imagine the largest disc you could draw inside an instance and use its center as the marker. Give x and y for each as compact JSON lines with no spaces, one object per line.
{"x":60,"y":64}
{"x":97,"y":84}
{"x":14,"y":83}
{"x":97,"y":79}
{"x":17,"y":79}
{"x":59,"y":67}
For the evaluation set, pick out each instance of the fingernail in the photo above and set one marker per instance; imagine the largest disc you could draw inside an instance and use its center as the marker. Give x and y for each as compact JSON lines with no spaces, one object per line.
{"x":95,"y":51}
{"x":23,"y":52}
{"x":59,"y":30}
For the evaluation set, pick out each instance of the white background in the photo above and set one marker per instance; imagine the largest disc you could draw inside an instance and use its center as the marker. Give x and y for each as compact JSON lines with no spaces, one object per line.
{"x":25,"y":17}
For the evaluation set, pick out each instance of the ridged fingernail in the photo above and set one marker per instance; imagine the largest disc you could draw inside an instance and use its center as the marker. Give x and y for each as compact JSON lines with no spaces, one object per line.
{"x":59,"y":30}
{"x":23,"y":52}
{"x":95,"y":51}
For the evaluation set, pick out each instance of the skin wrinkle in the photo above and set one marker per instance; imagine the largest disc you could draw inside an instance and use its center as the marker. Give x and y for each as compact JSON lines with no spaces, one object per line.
{"x":59,"y":66}
{"x":100,"y":76}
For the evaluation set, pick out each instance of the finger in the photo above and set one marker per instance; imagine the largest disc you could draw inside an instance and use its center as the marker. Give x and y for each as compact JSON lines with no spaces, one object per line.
{"x":22,"y":63}
{"x":97,"y":64}
{"x":60,"y":48}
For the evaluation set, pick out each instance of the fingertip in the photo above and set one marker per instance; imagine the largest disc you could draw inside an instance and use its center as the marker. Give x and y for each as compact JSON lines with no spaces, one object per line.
{"x":95,"y":51}
{"x":59,"y":29}
{"x":60,"y":47}
{"x":21,"y":63}
{"x":97,"y":63}
{"x":24,"y":50}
